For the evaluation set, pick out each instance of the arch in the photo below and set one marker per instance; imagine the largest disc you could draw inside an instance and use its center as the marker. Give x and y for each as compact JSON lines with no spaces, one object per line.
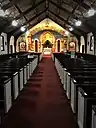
{"x":47,"y":36}
{"x":47,"y":44}
{"x":36,"y":41}
{"x":21,"y":44}
{"x":72,"y":46}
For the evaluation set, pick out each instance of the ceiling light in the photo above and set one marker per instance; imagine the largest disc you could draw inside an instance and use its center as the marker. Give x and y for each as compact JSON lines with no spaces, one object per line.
{"x":71,"y":29}
{"x":6,"y":12}
{"x":66,"y":32}
{"x":22,"y":28}
{"x":14,"y":23}
{"x":2,"y":12}
{"x":78,"y":23}
{"x":27,"y":32}
{"x":92,"y":37}
{"x":74,"y":81}
{"x":91,"y":12}
{"x":85,"y":94}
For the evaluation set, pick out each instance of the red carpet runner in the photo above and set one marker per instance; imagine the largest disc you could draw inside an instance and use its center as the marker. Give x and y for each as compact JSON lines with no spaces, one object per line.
{"x":42,"y":104}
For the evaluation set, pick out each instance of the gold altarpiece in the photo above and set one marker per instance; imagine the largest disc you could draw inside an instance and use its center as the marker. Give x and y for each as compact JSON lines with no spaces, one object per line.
{"x":37,"y":44}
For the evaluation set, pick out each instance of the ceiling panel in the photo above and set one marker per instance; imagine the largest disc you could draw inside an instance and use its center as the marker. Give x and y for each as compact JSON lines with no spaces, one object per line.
{"x":62,"y":9}
{"x":33,"y":21}
{"x":4,"y":2}
{"x":92,"y":21}
{"x":24,"y":4}
{"x":30,"y":15}
{"x":69,"y":5}
{"x":2,"y":22}
{"x":13,"y":12}
{"x":52,"y":7}
{"x":9,"y":28}
{"x":21,"y":20}
{"x":40,"y":8}
{"x":63,"y":14}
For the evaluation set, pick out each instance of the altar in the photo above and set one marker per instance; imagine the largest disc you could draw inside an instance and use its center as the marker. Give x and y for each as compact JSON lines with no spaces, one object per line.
{"x":47,"y":51}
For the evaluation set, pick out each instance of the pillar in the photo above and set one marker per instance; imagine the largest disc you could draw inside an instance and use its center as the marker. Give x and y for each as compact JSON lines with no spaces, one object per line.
{"x":8,"y":42}
{"x":85,"y":38}
{"x":78,"y":44}
{"x":15,"y":40}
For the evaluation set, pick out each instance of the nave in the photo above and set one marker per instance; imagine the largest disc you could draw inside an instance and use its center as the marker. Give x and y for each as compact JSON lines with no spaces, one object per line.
{"x":42,"y":103}
{"x":34,"y":91}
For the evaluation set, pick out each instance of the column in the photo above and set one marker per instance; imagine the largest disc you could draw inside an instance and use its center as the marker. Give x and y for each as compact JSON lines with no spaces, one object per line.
{"x":85,"y":38}
{"x":79,"y":44}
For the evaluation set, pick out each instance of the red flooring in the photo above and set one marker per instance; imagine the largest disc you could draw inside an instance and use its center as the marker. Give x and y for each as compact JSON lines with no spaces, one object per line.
{"x":42,"y":104}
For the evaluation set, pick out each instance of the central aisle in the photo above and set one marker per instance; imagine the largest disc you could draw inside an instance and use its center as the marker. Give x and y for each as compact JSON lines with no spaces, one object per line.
{"x":42,"y":104}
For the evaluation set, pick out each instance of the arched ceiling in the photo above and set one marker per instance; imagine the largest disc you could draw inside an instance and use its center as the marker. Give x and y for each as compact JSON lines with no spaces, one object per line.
{"x":63,"y":12}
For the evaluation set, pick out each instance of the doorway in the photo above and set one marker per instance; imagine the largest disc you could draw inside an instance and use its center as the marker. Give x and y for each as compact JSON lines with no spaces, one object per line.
{"x":47,"y":44}
{"x":82,"y":48}
{"x":58,"y":46}
{"x":36,"y":46}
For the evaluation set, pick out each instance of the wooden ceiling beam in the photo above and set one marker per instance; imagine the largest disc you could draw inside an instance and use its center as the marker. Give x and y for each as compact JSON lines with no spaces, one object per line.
{"x":18,"y":33}
{"x":30,"y":9}
{"x":62,"y":19}
{"x":73,"y":32}
{"x":71,"y":14}
{"x":37,"y":15}
{"x":22,"y":14}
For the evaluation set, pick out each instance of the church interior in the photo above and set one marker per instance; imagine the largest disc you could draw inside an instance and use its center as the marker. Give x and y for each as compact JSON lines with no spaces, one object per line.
{"x":47,"y":64}
{"x":37,"y":38}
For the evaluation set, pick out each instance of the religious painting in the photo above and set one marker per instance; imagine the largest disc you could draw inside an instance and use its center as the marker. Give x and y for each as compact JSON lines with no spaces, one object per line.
{"x":72,"y":46}
{"x":47,"y":36}
{"x":22,"y":46}
{"x":30,"y":44}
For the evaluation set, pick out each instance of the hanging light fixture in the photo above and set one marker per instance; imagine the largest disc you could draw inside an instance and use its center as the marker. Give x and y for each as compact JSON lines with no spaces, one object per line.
{"x":78,"y":23}
{"x":2,"y":12}
{"x":7,"y":12}
{"x":71,"y":29}
{"x":27,"y":32}
{"x":91,"y":12}
{"x":14,"y":23}
{"x":23,"y":28}
{"x":66,"y":32}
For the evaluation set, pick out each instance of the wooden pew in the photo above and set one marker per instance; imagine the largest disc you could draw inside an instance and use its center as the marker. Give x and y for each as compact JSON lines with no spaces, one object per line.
{"x":93,"y":122}
{"x":86,"y":98}
{"x":70,"y":76}
{"x":77,"y":82}
{"x":5,"y":96}
{"x":14,"y":82}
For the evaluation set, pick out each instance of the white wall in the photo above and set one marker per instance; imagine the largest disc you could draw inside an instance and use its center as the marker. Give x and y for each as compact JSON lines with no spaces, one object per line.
{"x":82,"y":42}
{"x":12,"y":40}
{"x":5,"y":44}
{"x":88,"y":43}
